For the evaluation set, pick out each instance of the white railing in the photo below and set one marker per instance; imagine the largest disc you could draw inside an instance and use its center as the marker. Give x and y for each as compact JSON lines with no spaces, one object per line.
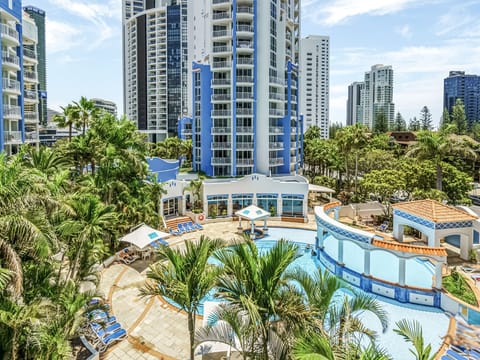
{"x":12,"y":137}
{"x":10,"y":59}
{"x":12,"y":85}
{"x":9,"y":31}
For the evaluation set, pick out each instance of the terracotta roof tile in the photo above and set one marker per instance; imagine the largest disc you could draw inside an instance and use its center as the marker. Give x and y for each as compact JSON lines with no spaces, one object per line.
{"x":434,"y":211}
{"x":414,"y":249}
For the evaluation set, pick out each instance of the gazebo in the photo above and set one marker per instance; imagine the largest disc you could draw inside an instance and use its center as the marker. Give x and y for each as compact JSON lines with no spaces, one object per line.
{"x":253,"y":213}
{"x":435,"y":221}
{"x":143,"y":236}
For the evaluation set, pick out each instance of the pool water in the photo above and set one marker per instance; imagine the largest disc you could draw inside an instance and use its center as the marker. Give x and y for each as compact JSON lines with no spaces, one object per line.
{"x":433,"y":320}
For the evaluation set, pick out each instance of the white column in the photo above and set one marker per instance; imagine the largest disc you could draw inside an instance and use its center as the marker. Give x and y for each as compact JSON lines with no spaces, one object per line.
{"x":366,"y":262}
{"x":321,"y":237}
{"x":438,"y":275}
{"x":340,"y":251}
{"x":397,"y":231}
{"x":401,"y":271}
{"x":252,"y":234}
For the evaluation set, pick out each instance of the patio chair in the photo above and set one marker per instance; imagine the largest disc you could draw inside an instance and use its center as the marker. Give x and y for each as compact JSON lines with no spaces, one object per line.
{"x":110,"y":339}
{"x":183,"y":227}
{"x":198,"y":226}
{"x":383,"y":227}
{"x":455,"y":355}
{"x":190,"y":226}
{"x":103,"y":331}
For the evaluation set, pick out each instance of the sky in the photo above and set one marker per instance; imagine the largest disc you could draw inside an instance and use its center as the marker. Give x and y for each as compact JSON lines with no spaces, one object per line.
{"x":422,"y":39}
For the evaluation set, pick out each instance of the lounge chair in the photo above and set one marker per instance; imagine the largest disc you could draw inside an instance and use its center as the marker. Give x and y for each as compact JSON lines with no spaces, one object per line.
{"x":198,"y":226}
{"x":174,"y":232}
{"x":183,"y":227}
{"x":110,"y":339}
{"x":468,"y":269}
{"x":456,"y":356}
{"x":190,"y":226}
{"x":383,"y":227}
{"x":103,"y":331}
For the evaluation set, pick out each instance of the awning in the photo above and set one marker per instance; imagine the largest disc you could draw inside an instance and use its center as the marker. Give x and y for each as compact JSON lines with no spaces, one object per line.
{"x":143,"y":236}
{"x":252,"y":213}
{"x":320,"y":189}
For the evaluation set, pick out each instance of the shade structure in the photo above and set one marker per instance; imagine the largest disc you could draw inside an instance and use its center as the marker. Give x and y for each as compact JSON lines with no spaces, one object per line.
{"x":253,"y":213}
{"x":143,"y":236}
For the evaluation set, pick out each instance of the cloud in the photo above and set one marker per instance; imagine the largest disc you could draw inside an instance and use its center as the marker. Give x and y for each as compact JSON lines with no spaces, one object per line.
{"x":404,"y":31}
{"x":61,"y":36}
{"x":100,"y":19}
{"x":338,"y":11}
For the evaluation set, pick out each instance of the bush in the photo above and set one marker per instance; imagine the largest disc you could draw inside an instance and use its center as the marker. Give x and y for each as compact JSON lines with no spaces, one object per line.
{"x":456,"y":285}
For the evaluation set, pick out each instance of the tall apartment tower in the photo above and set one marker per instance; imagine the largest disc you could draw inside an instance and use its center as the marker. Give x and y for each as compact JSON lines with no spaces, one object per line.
{"x":459,"y":85}
{"x":314,"y":73}
{"x":155,"y":65}
{"x":38,"y":17}
{"x":30,"y":79}
{"x":377,"y":95}
{"x":245,"y":112}
{"x":12,"y":126}
{"x":354,"y":103}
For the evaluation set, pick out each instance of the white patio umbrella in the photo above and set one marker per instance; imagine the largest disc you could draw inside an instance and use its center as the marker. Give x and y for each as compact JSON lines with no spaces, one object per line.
{"x":143,"y":236}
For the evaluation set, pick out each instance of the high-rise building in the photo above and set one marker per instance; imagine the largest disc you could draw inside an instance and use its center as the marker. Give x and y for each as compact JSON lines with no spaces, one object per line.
{"x":30,"y":79}
{"x":377,"y":95}
{"x":109,"y":106}
{"x":245,"y":114}
{"x":314,"y":73}
{"x":38,"y":16}
{"x":354,"y":103}
{"x":12,"y":130}
{"x":155,"y":65}
{"x":459,"y":85}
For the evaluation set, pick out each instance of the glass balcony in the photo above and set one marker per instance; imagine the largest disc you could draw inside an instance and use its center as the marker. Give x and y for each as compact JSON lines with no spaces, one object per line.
{"x":30,"y":95}
{"x":11,"y":60}
{"x":12,"y":137}
{"x":30,"y":75}
{"x":221,"y":161}
{"x":221,"y":145}
{"x":275,"y":130}
{"x":221,"y":16}
{"x":276,"y":161}
{"x":12,"y":111}
{"x":245,"y":162}
{"x":11,"y":86}
{"x":30,"y":116}
{"x":30,"y":54}
{"x":9,"y":33}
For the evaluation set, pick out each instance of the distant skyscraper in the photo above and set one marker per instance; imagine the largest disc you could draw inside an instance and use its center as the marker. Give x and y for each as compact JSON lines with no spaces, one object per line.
{"x":314,"y":93}
{"x":354,"y":103}
{"x":155,"y":64}
{"x":245,"y":112}
{"x":458,"y":85}
{"x":38,"y":16}
{"x":377,"y":95}
{"x":108,"y":106}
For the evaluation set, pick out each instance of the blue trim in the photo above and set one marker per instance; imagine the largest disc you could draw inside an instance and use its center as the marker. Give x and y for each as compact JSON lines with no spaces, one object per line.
{"x":254,"y":122}
{"x":342,"y":233}
{"x":194,"y":129}
{"x":301,"y":119}
{"x":182,"y":122}
{"x":233,"y":154}
{"x":414,"y":218}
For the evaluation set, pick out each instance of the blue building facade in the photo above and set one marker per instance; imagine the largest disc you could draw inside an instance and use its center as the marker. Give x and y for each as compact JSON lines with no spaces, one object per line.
{"x":12,"y":128}
{"x":245,"y":116}
{"x":458,"y":85}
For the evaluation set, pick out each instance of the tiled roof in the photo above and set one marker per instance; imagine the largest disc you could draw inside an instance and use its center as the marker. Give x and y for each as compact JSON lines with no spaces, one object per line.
{"x":414,"y":249}
{"x":434,"y":211}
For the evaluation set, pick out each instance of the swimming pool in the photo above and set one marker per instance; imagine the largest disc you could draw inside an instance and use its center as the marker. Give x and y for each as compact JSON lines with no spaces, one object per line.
{"x":434,"y":321}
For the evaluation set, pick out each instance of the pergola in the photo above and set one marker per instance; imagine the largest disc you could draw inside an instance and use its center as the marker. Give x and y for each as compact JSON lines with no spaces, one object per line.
{"x":317,"y":189}
{"x":436,"y":221}
{"x":253,"y":213}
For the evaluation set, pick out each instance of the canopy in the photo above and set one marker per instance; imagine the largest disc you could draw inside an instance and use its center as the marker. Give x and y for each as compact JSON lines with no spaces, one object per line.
{"x":252,"y":213}
{"x":143,"y":236}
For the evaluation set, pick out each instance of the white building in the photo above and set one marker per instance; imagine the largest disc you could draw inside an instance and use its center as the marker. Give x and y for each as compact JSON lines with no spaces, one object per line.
{"x":106,"y":105}
{"x":354,"y":103}
{"x":245,"y":112}
{"x":314,"y":93}
{"x":377,"y":95}
{"x":155,"y":65}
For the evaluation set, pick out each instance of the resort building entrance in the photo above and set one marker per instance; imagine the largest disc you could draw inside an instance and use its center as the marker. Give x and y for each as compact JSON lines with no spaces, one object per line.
{"x":171,"y":207}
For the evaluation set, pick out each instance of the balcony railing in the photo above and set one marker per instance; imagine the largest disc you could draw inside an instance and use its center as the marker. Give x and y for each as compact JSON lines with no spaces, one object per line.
{"x":247,"y":162}
{"x":221,"y":112}
{"x":221,"y":82}
{"x":276,"y":161}
{"x":31,"y":136}
{"x":221,"y":33}
{"x":244,"y":79}
{"x":30,"y":94}
{"x":221,"y":97}
{"x":221,"y":15}
{"x":244,"y":61}
{"x":12,"y":111}
{"x":30,"y":54}
{"x":244,"y":45}
{"x":276,"y":112}
{"x":215,"y":2}
{"x":245,"y":145}
{"x":221,"y":130}
{"x":276,"y":80}
{"x":30,"y":75}
{"x":12,"y":137}
{"x":10,"y":59}
{"x":277,"y":96}
{"x":9,"y":31}
{"x":221,"y":161}
{"x":30,"y":116}
{"x":244,"y":129}
{"x":244,"y":28}
{"x":244,"y":95}
{"x":221,"y":64}
{"x":244,"y":10}
{"x":244,"y":111}
{"x":277,"y":145}
{"x":221,"y":145}
{"x":11,"y":85}
{"x":275,"y":129}
{"x":221,"y":49}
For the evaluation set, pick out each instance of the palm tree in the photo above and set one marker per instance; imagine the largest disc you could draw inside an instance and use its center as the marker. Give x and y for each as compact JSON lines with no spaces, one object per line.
{"x":66,"y":119}
{"x":437,"y":147}
{"x":45,"y":160}
{"x":84,"y":111}
{"x":195,"y":187}
{"x":185,"y":276}
{"x":412,"y":332}
{"x":256,"y":283}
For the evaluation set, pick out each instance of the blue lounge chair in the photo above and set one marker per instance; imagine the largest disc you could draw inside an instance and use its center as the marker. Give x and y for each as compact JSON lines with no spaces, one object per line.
{"x":455,"y":355}
{"x":198,"y":226}
{"x":182,"y":228}
{"x":383,"y":227}
{"x":190,"y":226}
{"x":102,"y":331}
{"x":110,"y":339}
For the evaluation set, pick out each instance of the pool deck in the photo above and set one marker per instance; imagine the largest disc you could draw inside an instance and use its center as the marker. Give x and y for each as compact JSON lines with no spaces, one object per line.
{"x":155,"y":329}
